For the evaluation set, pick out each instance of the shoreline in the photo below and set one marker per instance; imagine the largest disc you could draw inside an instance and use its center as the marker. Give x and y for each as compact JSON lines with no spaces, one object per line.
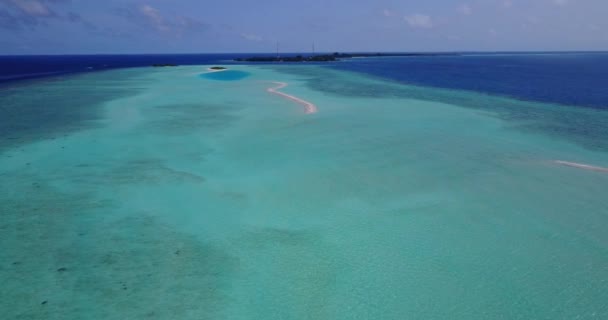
{"x":310,"y":108}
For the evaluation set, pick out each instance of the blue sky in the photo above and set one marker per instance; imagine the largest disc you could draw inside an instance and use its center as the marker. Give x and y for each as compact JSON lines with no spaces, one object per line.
{"x":190,"y":26}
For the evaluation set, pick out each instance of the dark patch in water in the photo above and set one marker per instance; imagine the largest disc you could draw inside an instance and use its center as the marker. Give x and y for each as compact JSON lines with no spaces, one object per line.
{"x":273,"y":236}
{"x":134,"y":254}
{"x":43,"y":109}
{"x":135,"y":171}
{"x":180,"y":119}
{"x":151,"y":171}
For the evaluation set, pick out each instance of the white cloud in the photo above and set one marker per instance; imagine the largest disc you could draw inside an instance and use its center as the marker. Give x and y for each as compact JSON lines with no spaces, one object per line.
{"x":251,"y":37}
{"x":419,"y":21}
{"x":151,"y":18}
{"x":154,"y":17}
{"x":465,"y":9}
{"x":17,"y":14}
{"x":32,"y":8}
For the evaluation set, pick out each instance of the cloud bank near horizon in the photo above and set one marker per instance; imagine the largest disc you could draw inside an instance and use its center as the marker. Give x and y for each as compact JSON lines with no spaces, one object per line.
{"x":157,"y":26}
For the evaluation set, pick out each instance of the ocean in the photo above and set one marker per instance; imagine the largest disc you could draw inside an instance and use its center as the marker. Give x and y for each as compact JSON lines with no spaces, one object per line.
{"x":440,"y":187}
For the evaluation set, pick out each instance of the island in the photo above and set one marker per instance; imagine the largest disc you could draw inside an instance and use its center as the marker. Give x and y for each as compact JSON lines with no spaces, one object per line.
{"x":297,"y":58}
{"x":162,"y":65}
{"x":218,"y":68}
{"x":336,"y":56}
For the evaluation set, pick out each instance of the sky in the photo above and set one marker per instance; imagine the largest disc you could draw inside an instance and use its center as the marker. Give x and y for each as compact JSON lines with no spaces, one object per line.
{"x":222,"y":26}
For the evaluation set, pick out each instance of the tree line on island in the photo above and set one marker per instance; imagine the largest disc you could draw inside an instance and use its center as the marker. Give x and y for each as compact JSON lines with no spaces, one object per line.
{"x":336,"y":56}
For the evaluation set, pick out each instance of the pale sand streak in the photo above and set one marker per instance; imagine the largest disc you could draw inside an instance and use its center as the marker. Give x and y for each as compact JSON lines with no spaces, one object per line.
{"x":309,"y":107}
{"x":580,"y":166}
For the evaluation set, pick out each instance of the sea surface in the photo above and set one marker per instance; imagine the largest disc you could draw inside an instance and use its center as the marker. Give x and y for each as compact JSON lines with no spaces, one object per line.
{"x":439,"y":187}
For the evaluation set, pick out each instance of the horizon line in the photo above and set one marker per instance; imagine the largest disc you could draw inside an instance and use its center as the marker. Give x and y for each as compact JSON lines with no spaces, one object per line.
{"x":317,"y":53}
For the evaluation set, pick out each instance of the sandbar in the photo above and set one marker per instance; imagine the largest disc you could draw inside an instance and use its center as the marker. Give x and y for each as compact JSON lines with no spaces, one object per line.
{"x":581,"y":166}
{"x":309,"y":107}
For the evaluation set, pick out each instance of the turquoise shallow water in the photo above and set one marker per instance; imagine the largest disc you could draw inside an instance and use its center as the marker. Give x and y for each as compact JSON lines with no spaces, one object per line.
{"x":179,"y":197}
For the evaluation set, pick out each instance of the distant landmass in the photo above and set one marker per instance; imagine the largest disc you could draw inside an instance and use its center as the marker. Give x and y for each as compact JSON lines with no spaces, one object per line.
{"x":335,"y":57}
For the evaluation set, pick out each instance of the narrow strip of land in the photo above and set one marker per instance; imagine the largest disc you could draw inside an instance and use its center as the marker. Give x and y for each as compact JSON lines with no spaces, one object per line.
{"x":581,"y":166}
{"x":309,"y":107}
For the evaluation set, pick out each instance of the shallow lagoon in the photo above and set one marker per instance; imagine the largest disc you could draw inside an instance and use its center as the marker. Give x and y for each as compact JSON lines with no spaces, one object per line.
{"x":185,"y":198}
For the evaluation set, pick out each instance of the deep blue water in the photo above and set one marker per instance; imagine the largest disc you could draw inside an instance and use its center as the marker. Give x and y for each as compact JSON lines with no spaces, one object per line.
{"x":228,"y":75}
{"x":578,"y":79}
{"x":27,"y":67}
